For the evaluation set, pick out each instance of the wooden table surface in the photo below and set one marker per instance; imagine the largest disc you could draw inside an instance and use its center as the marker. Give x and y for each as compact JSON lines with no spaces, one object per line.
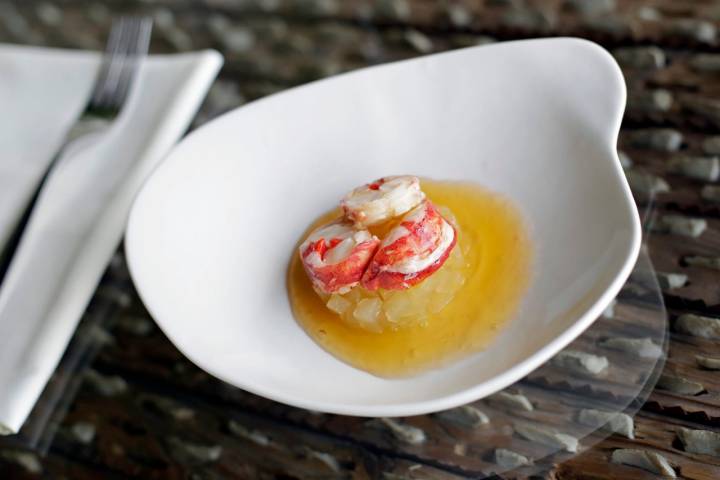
{"x":128,"y":404}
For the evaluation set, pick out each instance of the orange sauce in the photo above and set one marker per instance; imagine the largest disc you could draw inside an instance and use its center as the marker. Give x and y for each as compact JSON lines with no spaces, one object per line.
{"x":497,"y":253}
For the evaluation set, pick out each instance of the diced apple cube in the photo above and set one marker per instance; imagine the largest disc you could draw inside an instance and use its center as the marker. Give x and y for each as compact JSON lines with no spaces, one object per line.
{"x":367,"y":311}
{"x":338,"y":304}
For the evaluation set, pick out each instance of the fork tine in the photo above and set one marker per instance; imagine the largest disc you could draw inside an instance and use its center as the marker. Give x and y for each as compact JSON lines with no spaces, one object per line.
{"x":108,"y":69}
{"x":137,"y":49}
{"x":118,"y":63}
{"x":126,"y":39}
{"x":128,"y":43}
{"x":112,"y":62}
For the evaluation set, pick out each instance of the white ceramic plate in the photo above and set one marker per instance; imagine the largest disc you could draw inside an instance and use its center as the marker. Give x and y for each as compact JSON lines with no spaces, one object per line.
{"x":212,"y":231}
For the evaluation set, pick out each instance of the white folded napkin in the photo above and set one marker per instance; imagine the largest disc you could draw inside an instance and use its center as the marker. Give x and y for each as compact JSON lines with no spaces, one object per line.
{"x":82,"y":212}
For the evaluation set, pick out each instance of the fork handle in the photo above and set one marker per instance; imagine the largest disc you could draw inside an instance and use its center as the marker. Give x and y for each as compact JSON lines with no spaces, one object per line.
{"x":86,"y":127}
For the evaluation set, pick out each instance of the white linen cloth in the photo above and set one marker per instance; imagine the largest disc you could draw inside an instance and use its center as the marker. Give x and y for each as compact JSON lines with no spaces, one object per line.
{"x":81,"y":215}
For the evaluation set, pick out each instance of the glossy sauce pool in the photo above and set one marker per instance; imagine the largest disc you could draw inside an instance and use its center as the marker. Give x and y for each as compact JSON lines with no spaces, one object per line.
{"x":497,"y":252}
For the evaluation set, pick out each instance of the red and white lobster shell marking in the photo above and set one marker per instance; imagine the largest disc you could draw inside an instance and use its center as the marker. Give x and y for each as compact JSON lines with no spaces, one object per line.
{"x":336,"y":255}
{"x":412,"y":251}
{"x":381,"y":200}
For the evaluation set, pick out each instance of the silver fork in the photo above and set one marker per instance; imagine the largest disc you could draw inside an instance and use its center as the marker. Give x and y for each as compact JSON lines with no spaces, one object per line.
{"x":127,"y":44}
